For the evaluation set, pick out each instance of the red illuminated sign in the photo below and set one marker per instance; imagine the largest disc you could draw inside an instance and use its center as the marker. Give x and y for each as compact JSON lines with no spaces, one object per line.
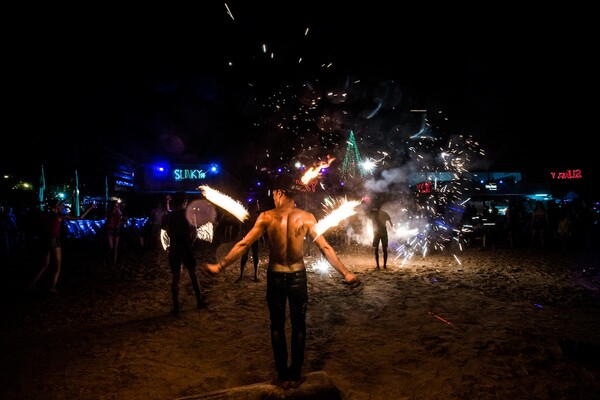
{"x":424,"y":187}
{"x":568,"y":174}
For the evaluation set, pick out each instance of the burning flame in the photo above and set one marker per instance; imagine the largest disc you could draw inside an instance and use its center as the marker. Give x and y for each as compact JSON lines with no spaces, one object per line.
{"x":313,"y":172}
{"x":345,"y":210}
{"x":225,"y":202}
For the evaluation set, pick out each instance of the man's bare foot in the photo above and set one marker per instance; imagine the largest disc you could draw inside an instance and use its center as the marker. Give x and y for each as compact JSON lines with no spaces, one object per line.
{"x":285,"y":385}
{"x":295,"y":384}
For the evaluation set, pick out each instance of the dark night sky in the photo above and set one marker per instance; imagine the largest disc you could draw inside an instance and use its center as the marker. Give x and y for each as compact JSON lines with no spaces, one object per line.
{"x":137,"y":81}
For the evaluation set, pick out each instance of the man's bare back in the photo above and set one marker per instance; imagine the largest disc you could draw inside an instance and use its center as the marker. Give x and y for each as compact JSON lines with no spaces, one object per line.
{"x":286,"y":227}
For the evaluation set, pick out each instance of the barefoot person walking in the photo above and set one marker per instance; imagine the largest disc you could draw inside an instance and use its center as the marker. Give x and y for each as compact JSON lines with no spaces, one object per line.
{"x":380,"y":220}
{"x":286,"y":227}
{"x":50,"y":231}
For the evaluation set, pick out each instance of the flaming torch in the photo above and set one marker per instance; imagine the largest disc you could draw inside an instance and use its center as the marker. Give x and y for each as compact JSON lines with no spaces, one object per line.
{"x":234,"y":207}
{"x":345,"y":210}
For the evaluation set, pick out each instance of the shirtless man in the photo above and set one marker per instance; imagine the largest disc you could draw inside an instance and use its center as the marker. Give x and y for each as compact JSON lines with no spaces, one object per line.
{"x":286,"y":227}
{"x":380,"y":219}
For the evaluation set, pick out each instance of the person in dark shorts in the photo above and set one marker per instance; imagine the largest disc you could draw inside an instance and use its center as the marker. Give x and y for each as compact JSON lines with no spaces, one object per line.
{"x":380,"y":220}
{"x":181,"y":237}
{"x":114,"y":224}
{"x":286,"y":227}
{"x":50,"y":232}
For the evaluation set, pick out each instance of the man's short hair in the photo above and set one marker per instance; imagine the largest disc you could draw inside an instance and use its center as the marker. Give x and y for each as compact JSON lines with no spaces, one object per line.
{"x":286,"y":183}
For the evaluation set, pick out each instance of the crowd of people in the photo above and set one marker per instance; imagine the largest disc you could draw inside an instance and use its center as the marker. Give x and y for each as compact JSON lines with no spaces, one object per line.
{"x":286,"y":226}
{"x":284,"y":230}
{"x":539,"y":225}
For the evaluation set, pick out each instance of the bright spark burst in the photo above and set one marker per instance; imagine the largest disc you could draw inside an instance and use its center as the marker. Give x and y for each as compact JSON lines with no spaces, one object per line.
{"x":345,"y":210}
{"x":368,"y":165}
{"x":228,"y":204}
{"x":321,"y":267}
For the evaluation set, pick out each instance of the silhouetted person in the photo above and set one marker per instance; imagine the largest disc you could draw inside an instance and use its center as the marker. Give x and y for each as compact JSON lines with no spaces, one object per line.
{"x":155,"y":223}
{"x":50,"y":231}
{"x":8,"y":231}
{"x":113,"y":227}
{"x":181,"y":237}
{"x":539,"y":225}
{"x":286,"y":227}
{"x":514,"y":219}
{"x":246,"y":227}
{"x":380,"y":221}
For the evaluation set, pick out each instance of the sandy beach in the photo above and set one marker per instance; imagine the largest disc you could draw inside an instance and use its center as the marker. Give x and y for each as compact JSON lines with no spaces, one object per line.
{"x":478,"y":324}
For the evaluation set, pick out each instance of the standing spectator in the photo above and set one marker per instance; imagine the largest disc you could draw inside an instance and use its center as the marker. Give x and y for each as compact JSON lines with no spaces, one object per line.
{"x":155,"y":222}
{"x":114,"y":225}
{"x":51,"y":223}
{"x":565,"y":231}
{"x":8,"y":231}
{"x":286,"y":227}
{"x":380,"y":221}
{"x":181,"y":236}
{"x":514,"y":219}
{"x":539,"y":225}
{"x":246,"y":226}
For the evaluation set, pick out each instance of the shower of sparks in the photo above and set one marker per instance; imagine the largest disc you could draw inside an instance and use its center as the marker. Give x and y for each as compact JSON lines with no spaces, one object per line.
{"x":234,"y":207}
{"x":311,"y":118}
{"x":347,"y":209}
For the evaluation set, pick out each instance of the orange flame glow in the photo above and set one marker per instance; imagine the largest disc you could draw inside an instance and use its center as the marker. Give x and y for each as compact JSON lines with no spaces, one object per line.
{"x":314,"y":172}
